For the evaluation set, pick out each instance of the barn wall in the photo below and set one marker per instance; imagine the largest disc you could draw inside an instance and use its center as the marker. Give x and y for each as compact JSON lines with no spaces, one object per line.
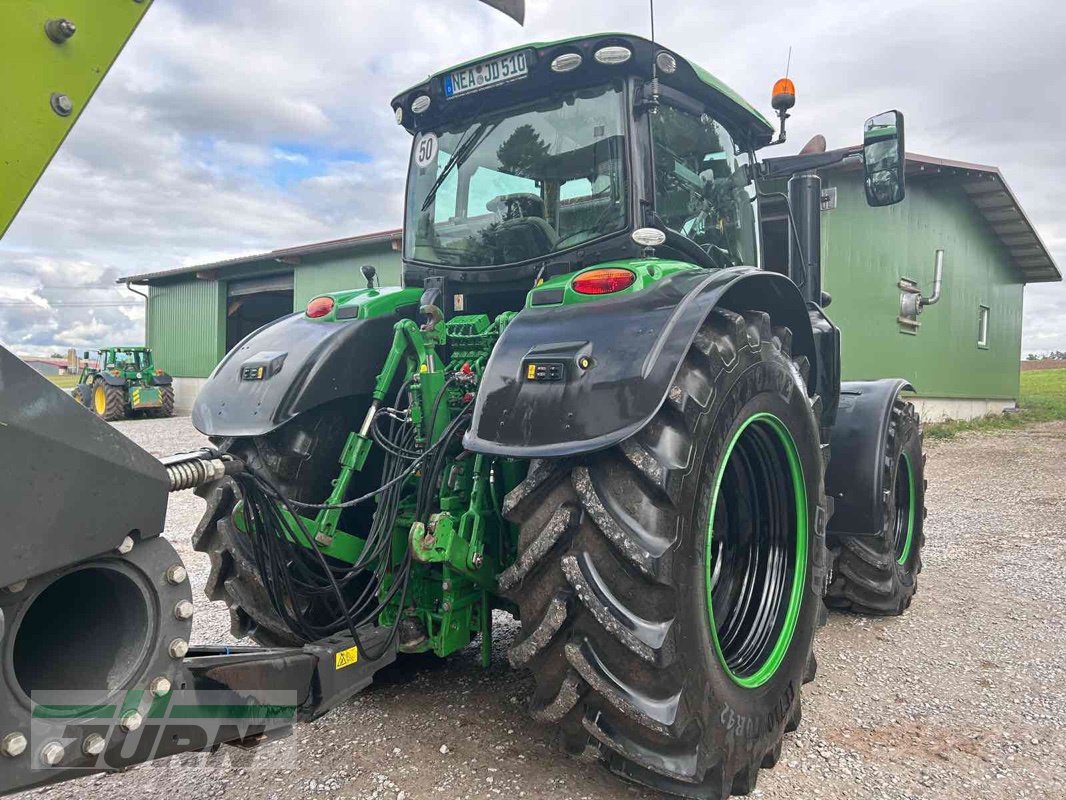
{"x":339,"y":271}
{"x":186,"y":326}
{"x":867,"y":250}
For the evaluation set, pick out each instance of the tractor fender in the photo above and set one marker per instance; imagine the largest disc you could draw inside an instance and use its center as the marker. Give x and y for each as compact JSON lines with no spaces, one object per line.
{"x":109,"y":379}
{"x":162,"y":380}
{"x":305,"y":363}
{"x":855,"y":475}
{"x":634,"y":344}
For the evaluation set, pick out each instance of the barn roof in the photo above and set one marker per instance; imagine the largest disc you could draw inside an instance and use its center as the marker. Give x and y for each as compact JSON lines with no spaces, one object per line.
{"x":286,"y":255}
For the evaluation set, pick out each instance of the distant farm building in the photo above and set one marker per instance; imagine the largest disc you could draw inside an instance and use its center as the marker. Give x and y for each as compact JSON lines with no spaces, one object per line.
{"x":49,"y":367}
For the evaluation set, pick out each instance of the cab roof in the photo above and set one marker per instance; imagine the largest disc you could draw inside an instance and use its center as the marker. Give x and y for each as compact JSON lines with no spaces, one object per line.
{"x":688,"y":77}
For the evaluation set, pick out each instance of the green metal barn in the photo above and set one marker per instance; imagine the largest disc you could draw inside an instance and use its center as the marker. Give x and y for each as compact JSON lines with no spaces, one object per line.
{"x":962,"y":353}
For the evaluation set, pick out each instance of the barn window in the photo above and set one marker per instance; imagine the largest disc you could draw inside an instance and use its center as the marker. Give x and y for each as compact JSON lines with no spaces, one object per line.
{"x":982,"y":327}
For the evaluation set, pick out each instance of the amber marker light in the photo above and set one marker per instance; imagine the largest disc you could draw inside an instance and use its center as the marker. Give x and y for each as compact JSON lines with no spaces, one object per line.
{"x":783,"y":96}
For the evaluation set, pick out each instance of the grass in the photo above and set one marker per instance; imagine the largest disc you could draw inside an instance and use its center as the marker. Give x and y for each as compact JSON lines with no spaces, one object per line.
{"x":1043,"y":399}
{"x":64,"y":381}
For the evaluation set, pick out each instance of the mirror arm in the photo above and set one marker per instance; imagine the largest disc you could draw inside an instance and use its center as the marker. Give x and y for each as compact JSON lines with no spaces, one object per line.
{"x":786,"y":166}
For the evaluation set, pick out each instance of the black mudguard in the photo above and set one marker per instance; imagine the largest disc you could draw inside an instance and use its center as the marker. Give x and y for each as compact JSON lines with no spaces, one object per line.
{"x":855,"y":476}
{"x":71,"y":485}
{"x":162,"y":380}
{"x":111,"y":380}
{"x":636,"y":343}
{"x":306,"y":363}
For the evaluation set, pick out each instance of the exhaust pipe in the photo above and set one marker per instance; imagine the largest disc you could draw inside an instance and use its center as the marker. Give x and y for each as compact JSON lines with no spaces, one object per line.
{"x":938,"y":279}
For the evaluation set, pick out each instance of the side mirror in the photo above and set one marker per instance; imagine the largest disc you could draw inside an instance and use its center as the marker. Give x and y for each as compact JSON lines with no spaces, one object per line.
{"x":85,"y":355}
{"x":884,"y":159}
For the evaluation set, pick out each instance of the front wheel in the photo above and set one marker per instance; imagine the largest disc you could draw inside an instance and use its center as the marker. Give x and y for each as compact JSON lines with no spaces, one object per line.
{"x":670,"y":587}
{"x":83,"y":395}
{"x":109,"y":401}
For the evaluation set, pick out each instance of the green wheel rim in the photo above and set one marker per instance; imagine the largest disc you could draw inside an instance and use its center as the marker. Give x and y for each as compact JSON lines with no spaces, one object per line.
{"x":757,"y":632}
{"x":904,"y":493}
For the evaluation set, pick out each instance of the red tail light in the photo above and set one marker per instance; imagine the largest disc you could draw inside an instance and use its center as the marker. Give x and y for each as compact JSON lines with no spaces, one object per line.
{"x":603,"y":281}
{"x":319,"y":307}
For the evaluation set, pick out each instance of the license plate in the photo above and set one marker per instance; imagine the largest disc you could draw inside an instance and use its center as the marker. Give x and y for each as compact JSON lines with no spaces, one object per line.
{"x":486,"y":74}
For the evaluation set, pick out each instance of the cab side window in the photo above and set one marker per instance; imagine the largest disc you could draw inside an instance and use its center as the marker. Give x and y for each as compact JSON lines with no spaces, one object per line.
{"x":701,"y":186}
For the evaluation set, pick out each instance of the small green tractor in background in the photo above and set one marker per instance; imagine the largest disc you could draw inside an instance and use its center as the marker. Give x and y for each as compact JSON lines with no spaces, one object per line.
{"x":124,"y":382}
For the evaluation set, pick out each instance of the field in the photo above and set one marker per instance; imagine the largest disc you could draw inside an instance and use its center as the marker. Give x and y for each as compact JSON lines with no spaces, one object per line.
{"x":1043,"y":399}
{"x":64,"y":381}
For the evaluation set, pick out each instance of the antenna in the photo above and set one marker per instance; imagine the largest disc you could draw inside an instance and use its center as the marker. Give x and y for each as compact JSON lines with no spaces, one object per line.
{"x":653,"y":101}
{"x":788,"y":63}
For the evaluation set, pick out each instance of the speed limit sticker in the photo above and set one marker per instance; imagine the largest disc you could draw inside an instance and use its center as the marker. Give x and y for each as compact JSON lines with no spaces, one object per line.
{"x":426,"y":150}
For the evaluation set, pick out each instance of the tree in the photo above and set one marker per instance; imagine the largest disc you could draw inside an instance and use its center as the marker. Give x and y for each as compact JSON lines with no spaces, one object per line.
{"x":523,"y":152}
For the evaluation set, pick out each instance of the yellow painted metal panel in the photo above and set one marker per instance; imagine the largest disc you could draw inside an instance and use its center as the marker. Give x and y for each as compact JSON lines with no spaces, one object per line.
{"x":39,"y":76}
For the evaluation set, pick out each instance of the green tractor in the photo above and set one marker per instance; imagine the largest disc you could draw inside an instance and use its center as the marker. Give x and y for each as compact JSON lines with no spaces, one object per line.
{"x":589,"y":406}
{"x":124,"y":382}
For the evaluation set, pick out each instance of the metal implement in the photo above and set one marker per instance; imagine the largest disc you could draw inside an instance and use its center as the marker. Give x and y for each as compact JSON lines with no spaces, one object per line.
{"x":55,"y":70}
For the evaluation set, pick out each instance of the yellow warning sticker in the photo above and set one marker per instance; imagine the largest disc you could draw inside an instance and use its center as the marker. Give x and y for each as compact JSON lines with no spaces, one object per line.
{"x":345,"y":658}
{"x":531,"y":372}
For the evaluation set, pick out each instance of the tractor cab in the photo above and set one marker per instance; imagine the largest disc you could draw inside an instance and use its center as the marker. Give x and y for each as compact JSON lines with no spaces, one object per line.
{"x":545,"y":159}
{"x":550,"y":158}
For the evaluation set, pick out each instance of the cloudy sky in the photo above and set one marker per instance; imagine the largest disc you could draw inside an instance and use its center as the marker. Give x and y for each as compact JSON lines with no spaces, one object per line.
{"x":229,"y":128}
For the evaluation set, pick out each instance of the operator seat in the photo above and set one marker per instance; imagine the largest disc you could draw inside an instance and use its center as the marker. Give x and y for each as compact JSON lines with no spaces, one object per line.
{"x":522,"y":232}
{"x":526,"y":237}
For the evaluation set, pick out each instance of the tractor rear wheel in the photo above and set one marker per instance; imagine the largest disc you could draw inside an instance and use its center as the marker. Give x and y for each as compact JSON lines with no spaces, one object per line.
{"x":108,"y":401}
{"x":166,"y":395}
{"x":670,"y":587}
{"x":301,"y":458}
{"x":879,"y":575}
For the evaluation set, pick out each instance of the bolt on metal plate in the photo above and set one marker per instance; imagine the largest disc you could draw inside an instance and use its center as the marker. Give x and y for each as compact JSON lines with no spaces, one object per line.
{"x":61,"y":104}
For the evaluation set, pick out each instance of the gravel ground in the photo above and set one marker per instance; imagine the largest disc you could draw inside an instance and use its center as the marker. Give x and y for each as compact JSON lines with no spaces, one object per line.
{"x":963,"y":697}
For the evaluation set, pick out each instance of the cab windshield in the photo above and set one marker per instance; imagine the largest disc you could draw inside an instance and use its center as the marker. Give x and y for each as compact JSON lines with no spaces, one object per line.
{"x":526,"y":184}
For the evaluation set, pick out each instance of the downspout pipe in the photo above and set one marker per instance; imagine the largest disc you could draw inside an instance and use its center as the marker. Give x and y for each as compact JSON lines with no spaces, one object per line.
{"x":129,"y":286}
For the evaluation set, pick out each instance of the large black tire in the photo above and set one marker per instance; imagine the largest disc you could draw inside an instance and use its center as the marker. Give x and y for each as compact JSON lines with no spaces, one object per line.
{"x":167,"y":408}
{"x":612,"y":577}
{"x":879,"y":575}
{"x":108,"y":401}
{"x":301,"y":458}
{"x":83,"y":395}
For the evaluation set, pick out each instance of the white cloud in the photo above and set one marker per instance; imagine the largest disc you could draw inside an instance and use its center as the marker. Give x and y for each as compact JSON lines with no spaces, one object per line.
{"x":175,"y":161}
